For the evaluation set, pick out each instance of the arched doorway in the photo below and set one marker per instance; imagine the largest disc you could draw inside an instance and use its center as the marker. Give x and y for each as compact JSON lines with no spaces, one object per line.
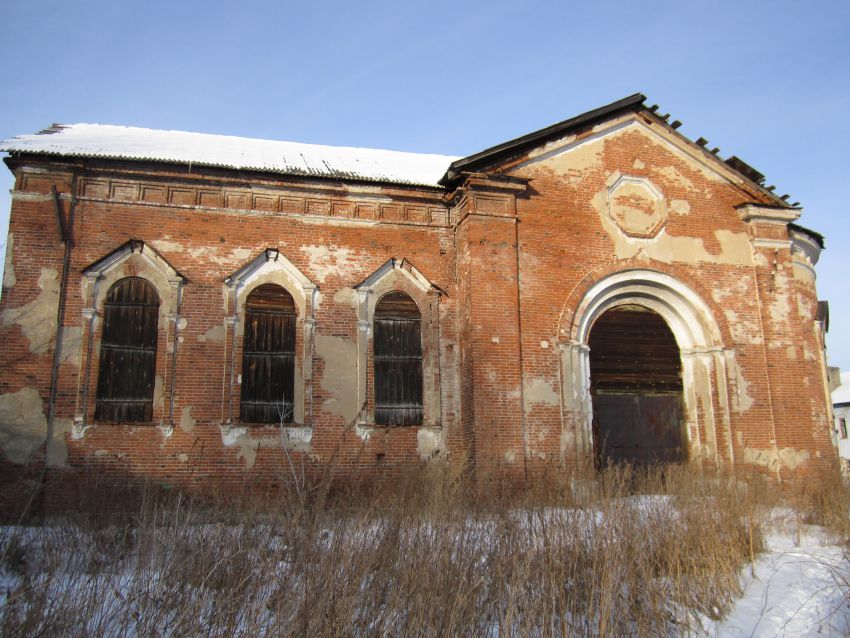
{"x":636,"y":388}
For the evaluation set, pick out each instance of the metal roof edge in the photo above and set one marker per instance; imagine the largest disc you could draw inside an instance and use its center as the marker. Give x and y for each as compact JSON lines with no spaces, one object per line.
{"x":631,"y":102}
{"x":820,"y":239}
{"x":339,"y":176}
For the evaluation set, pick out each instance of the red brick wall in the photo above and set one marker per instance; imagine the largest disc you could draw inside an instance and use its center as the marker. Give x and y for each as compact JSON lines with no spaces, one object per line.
{"x":512,"y":257}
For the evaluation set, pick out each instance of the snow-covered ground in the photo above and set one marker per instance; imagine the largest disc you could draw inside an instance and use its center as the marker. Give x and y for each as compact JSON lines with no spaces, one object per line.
{"x":800,"y":587}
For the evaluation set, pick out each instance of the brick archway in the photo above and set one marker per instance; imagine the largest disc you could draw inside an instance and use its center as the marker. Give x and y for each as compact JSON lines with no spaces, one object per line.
{"x":704,"y":360}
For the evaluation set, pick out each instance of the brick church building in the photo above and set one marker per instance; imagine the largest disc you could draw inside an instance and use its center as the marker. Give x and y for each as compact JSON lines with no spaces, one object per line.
{"x":199,"y":310}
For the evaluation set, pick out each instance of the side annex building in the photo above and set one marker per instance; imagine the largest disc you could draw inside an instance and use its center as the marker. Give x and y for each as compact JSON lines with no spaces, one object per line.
{"x":199,"y":310}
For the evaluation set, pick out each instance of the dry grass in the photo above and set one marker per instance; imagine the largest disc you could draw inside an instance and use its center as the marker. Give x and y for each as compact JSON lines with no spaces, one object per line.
{"x":622,"y":554}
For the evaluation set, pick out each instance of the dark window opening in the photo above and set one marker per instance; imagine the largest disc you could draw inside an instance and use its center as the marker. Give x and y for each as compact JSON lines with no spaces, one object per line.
{"x":636,"y":388}
{"x":127,"y":370}
{"x":398,"y":361}
{"x":268,"y":356}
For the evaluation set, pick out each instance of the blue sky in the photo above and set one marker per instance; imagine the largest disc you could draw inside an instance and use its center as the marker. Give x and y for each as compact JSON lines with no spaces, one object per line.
{"x":767,"y":81}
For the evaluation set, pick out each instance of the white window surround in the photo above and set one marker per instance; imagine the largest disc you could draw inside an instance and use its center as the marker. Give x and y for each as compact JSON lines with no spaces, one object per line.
{"x":98,"y":278}
{"x":271,"y":266}
{"x":399,"y":275}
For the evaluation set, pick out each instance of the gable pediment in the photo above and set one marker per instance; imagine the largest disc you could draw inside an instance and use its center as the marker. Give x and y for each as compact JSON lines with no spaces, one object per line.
{"x":574,"y":154}
{"x":570,"y":147}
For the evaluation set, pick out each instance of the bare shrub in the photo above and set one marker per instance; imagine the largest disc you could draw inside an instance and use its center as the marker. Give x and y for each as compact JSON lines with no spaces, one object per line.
{"x":429,"y":553}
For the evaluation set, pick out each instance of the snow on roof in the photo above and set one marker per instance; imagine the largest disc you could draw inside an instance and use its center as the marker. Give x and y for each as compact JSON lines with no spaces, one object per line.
{"x":841,"y":394}
{"x":131,"y":143}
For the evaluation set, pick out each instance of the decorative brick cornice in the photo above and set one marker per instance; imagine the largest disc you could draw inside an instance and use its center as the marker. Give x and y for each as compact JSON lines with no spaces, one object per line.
{"x":492,"y":195}
{"x":371,"y":203}
{"x":760,"y":213}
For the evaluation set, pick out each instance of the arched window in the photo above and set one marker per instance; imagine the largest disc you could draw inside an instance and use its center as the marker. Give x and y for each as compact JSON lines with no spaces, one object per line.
{"x":127,"y":370}
{"x":398,"y":361}
{"x":268,"y":356}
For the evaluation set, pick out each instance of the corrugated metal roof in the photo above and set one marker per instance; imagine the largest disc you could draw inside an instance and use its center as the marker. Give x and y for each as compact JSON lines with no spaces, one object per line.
{"x":131,"y":143}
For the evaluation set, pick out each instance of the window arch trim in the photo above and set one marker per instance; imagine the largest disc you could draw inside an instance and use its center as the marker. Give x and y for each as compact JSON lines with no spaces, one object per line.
{"x":271,"y":266}
{"x":137,"y":258}
{"x":399,"y":275}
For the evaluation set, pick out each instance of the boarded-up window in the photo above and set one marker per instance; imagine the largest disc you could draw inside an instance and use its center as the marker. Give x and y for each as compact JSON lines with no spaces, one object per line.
{"x":268,"y":356}
{"x":128,"y":352}
{"x":398,"y":361}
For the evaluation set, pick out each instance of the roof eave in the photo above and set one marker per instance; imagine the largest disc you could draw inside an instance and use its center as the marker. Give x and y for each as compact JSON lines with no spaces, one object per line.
{"x":467,"y":164}
{"x":18,"y":156}
{"x":816,"y":236}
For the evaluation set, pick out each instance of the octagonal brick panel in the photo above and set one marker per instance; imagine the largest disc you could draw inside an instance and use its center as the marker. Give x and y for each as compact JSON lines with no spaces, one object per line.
{"x":637,"y":206}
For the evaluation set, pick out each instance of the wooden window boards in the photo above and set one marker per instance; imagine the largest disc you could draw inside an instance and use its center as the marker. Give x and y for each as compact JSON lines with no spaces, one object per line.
{"x":268,"y":356}
{"x":398,"y":361}
{"x":127,"y":369}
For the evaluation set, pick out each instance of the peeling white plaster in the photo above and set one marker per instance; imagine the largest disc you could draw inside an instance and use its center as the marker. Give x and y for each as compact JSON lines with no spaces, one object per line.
{"x":294,"y":438}
{"x":675,"y":176}
{"x":346,"y":297}
{"x":157,"y":391}
{"x":23,"y":425}
{"x":780,"y":304}
{"x":57,"y":448}
{"x":299,"y":439}
{"x":538,"y":391}
{"x":510,"y":394}
{"x":215,"y":334}
{"x":213,"y":255}
{"x":72,"y":341}
{"x":167,"y":430}
{"x":9,"y":267}
{"x":572,"y":162}
{"x":743,"y":331}
{"x":230,"y":434}
{"x":680,"y":206}
{"x":187,"y":423}
{"x":745,"y":401}
{"x":429,"y":442}
{"x":552,"y":145}
{"x":38,"y":318}
{"x":329,"y":261}
{"x":248,"y":448}
{"x":735,"y":247}
{"x":166,"y":246}
{"x":210,"y":255}
{"x":338,"y":221}
{"x":774,"y":459}
{"x":339,"y":378}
